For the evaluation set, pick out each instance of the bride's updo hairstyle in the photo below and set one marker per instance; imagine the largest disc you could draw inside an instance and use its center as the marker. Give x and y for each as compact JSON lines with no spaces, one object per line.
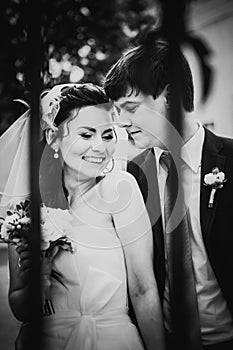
{"x":52,"y":190}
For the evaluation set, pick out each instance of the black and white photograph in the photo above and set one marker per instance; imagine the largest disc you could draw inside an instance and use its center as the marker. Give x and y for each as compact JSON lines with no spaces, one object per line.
{"x":116,"y":156}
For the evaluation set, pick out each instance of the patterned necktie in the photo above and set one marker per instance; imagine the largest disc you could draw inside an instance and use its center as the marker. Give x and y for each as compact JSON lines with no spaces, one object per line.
{"x":183,"y":300}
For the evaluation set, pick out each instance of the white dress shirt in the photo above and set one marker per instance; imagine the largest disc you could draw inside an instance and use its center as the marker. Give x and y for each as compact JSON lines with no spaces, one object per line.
{"x":215,"y":318}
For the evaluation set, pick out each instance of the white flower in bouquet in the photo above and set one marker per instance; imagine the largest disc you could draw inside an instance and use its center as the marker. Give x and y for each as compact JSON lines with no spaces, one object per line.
{"x":8,"y":224}
{"x":55,"y":225}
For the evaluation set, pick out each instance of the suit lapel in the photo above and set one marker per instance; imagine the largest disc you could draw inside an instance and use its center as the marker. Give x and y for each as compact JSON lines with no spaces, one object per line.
{"x":211,"y":158}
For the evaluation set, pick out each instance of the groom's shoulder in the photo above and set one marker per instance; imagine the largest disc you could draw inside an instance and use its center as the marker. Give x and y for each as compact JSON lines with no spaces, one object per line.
{"x":226,"y":143}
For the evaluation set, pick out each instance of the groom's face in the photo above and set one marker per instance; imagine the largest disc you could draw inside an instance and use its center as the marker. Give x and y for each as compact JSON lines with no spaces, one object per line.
{"x":144,"y":118}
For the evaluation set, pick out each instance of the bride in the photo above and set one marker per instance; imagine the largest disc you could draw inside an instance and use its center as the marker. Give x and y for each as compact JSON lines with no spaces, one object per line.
{"x":111,"y":233}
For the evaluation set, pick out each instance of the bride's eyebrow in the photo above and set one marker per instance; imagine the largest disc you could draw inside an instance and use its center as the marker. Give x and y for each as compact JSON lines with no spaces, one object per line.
{"x":107,"y":130}
{"x":87,"y":128}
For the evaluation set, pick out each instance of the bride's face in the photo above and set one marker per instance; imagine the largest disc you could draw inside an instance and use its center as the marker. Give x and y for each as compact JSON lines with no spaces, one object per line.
{"x":88,"y":142}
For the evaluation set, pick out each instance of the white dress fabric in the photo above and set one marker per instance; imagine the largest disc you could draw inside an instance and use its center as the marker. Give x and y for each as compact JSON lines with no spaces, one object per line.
{"x":91,"y":304}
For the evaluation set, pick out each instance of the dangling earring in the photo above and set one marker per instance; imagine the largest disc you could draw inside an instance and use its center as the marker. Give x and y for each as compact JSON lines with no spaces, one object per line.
{"x":56,"y":155}
{"x":107,"y":170}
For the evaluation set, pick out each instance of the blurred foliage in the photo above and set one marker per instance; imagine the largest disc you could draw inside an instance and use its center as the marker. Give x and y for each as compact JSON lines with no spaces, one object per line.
{"x":82,"y":39}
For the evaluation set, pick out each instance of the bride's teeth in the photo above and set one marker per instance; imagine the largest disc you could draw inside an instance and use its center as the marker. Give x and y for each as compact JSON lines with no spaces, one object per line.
{"x":94,"y":160}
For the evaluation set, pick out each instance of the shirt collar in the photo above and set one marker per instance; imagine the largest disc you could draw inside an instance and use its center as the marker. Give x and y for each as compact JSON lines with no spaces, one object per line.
{"x":158,"y":152}
{"x":191,"y":151}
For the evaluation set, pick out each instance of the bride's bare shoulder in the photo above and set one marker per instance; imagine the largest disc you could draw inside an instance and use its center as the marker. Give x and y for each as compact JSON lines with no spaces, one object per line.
{"x":118,"y":183}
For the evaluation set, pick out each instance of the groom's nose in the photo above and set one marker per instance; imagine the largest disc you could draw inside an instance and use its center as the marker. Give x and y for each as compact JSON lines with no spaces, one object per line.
{"x":124,"y":119}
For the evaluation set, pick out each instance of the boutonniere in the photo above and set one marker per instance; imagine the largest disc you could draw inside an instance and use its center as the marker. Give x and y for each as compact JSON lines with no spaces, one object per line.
{"x":216,"y":179}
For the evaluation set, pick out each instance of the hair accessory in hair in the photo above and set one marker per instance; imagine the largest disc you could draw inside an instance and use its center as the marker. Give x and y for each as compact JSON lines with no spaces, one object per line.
{"x":47,"y":119}
{"x":50,"y":105}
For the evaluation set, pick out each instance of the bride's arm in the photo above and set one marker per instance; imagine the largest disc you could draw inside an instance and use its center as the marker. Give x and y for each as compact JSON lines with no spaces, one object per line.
{"x":133,"y":227}
{"x":18,"y":295}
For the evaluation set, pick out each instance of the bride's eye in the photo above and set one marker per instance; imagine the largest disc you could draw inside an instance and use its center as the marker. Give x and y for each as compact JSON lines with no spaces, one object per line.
{"x":108,"y":137}
{"x":86,"y":135}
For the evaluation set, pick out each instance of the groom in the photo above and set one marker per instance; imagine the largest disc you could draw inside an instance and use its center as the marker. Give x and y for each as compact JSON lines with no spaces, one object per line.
{"x":138,"y":85}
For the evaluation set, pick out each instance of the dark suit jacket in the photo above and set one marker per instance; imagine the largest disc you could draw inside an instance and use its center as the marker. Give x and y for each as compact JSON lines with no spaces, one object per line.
{"x":216,"y":222}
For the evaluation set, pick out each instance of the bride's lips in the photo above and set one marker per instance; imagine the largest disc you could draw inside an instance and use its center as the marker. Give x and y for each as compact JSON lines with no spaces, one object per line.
{"x":94,"y":160}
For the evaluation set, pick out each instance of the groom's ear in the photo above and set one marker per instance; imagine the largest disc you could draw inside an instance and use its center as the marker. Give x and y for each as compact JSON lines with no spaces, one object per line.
{"x":51,"y":138}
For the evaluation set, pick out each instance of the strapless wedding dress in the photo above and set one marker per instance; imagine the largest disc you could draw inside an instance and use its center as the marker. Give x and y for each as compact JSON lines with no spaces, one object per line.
{"x":91,"y":302}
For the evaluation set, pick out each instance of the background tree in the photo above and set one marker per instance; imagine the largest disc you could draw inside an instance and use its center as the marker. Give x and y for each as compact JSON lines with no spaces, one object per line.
{"x":82,"y":39}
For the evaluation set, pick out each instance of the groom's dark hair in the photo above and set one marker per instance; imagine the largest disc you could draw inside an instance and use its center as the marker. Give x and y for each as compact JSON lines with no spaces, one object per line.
{"x":144,"y":68}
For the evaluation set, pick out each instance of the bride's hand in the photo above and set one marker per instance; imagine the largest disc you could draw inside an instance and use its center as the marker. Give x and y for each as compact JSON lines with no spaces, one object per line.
{"x":46,"y":271}
{"x":47,"y":259}
{"x":24,"y":261}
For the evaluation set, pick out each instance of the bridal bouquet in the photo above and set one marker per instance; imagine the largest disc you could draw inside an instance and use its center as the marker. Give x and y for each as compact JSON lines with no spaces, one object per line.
{"x":14,"y":228}
{"x":55,"y":229}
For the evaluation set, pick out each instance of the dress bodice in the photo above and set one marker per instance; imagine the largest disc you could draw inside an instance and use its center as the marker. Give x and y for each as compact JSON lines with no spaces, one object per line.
{"x":94,"y":275}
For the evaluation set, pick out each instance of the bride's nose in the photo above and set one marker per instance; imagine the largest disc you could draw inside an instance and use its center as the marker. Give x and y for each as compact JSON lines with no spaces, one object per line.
{"x":98,"y":144}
